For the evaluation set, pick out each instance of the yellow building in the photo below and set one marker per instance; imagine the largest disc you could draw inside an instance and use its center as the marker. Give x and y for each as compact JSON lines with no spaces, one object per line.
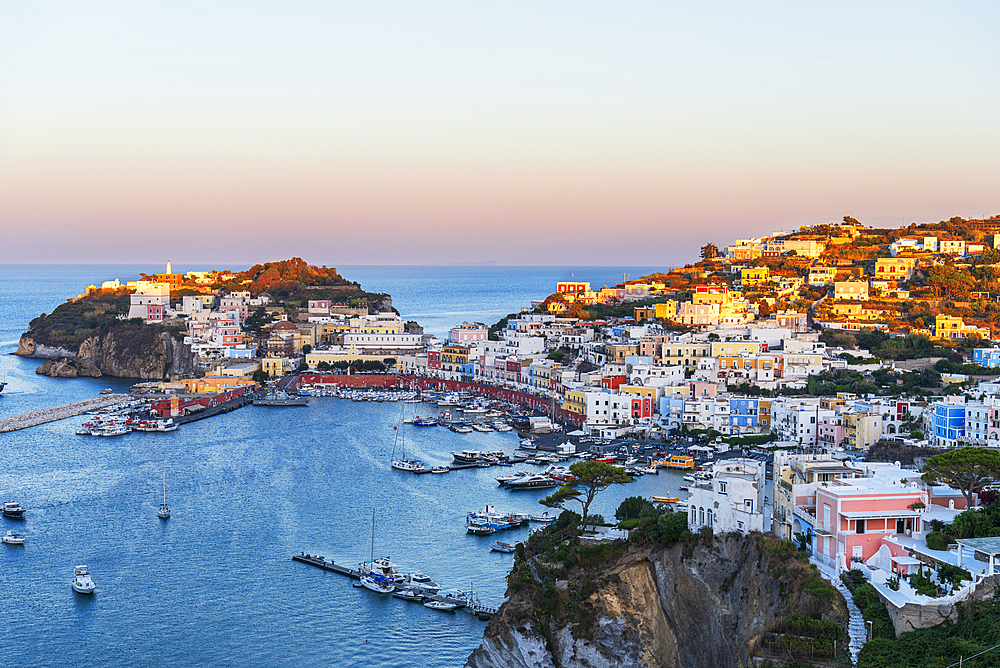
{"x":764,"y":413}
{"x":207,"y":385}
{"x":617,"y":352}
{"x":576,"y":402}
{"x":343,"y":355}
{"x":685,"y":354}
{"x":754,"y":275}
{"x":953,"y":327}
{"x":851,"y":290}
{"x":895,"y":268}
{"x":454,"y":354}
{"x":276,"y":366}
{"x":717,"y":348}
{"x":640,"y":391}
{"x":666,"y":310}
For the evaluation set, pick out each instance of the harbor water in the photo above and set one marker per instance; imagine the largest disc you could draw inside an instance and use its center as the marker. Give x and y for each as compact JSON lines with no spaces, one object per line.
{"x":215,"y":584}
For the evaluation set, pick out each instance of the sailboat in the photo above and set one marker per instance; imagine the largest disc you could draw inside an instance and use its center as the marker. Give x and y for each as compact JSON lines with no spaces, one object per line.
{"x":164,"y":512}
{"x":378,"y":583}
{"x":404,"y":464}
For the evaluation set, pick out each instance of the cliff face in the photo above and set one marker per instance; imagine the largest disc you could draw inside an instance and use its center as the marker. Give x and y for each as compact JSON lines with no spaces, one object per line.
{"x":687,"y":608}
{"x":125,"y":351}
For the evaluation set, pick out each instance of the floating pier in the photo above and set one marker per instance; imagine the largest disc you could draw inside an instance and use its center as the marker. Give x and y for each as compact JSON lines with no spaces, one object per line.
{"x":475,"y":607}
{"x":43,"y":415}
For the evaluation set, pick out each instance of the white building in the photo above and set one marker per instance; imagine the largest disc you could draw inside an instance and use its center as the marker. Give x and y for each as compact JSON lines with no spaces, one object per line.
{"x":734,"y":501}
{"x":149,"y":301}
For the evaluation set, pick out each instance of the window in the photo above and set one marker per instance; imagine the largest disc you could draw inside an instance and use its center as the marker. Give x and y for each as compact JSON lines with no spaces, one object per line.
{"x":701,"y":516}
{"x":859,"y":526}
{"x":722,"y":488}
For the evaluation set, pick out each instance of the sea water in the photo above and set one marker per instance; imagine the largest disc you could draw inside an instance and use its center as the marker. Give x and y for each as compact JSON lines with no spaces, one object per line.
{"x":215,"y":584}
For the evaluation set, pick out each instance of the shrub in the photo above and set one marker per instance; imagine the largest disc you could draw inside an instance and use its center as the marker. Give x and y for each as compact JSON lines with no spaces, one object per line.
{"x":937,"y":541}
{"x":633,"y":507}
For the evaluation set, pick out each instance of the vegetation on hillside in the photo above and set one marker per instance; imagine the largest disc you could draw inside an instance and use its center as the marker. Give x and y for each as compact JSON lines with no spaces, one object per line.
{"x":76,"y":320}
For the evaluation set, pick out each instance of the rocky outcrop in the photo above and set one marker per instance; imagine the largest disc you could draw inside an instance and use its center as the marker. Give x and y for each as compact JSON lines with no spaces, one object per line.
{"x":62,"y":367}
{"x":26,"y":347}
{"x":124,"y":351}
{"x":700,"y":606}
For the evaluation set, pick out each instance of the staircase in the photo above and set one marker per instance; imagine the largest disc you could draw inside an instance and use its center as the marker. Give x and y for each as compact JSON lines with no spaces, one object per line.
{"x":856,"y":623}
{"x":856,"y":630}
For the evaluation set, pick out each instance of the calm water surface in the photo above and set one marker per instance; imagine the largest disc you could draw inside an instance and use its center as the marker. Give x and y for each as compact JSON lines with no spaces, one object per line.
{"x":215,"y":584}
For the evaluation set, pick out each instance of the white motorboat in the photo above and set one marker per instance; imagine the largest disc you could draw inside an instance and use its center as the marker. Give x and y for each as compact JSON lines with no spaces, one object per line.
{"x":482,"y":428}
{"x":544,"y":518}
{"x":82,"y":583}
{"x":420,"y":583}
{"x":443,"y":606}
{"x":13,"y":538}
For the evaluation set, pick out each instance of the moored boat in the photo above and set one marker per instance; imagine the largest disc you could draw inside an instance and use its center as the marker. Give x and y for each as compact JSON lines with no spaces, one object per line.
{"x":82,"y":582}
{"x":13,"y":510}
{"x":500,"y":546}
{"x":13,"y":538}
{"x":443,"y":606}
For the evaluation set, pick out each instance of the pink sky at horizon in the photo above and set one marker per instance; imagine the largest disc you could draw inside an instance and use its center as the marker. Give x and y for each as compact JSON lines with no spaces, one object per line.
{"x":569,"y":133}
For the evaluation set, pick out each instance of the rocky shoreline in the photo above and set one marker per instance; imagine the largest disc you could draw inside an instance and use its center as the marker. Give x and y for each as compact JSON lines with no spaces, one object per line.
{"x":125,"y":351}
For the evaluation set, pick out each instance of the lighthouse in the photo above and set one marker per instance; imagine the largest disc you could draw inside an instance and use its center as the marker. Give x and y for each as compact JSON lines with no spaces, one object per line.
{"x":168,"y":267}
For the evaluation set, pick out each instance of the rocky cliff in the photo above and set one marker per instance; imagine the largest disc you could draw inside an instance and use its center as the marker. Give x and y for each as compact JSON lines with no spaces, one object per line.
{"x":125,"y":351}
{"x":698,"y":604}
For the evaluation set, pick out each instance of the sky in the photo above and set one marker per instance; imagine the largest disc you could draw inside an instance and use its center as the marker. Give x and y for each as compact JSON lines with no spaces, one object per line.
{"x":520,"y":133}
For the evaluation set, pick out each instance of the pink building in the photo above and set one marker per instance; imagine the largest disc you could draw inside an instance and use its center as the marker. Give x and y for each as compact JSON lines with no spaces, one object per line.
{"x":852,"y":519}
{"x":466,"y":333}
{"x":831,"y":432}
{"x":154,"y":313}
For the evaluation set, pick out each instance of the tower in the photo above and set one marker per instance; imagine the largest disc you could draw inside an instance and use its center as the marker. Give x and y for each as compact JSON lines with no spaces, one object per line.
{"x":168,"y":266}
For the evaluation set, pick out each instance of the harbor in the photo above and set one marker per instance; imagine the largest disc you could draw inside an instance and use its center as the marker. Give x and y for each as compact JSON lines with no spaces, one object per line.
{"x":55,"y":413}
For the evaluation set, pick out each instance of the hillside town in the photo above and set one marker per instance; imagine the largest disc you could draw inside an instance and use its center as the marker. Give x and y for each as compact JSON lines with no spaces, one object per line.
{"x":831,"y":337}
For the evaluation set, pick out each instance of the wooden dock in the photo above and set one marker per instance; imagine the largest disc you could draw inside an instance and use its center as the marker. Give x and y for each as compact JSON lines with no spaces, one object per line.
{"x":474,"y":607}
{"x":461,"y":467}
{"x":43,"y":415}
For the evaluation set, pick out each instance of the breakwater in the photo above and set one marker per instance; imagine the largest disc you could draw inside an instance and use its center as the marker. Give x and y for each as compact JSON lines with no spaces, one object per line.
{"x":43,"y":415}
{"x":390,"y":381}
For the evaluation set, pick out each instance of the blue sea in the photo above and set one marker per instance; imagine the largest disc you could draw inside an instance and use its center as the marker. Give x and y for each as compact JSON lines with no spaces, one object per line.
{"x":215,"y":585}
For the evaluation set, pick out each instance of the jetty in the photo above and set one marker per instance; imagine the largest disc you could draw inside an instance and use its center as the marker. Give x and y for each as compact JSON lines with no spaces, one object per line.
{"x":43,"y":415}
{"x":473,"y":606}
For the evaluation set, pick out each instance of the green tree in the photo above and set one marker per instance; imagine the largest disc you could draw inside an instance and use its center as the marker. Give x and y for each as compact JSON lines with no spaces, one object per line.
{"x":260,"y":376}
{"x":633,"y":508}
{"x":306,"y":349}
{"x":966,"y":469}
{"x":709,"y":251}
{"x":591,"y":478}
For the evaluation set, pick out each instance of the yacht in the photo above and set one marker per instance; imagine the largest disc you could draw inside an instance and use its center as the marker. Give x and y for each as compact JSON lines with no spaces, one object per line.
{"x":82,"y":583}
{"x":13,"y":538}
{"x":419,"y":583}
{"x":164,"y":512}
{"x":408,"y":595}
{"x":404,"y":464}
{"x":533,"y":482}
{"x":13,"y":510}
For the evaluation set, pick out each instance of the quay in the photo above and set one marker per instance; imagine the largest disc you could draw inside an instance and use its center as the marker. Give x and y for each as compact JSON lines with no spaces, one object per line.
{"x":43,"y":415}
{"x":478,"y":609}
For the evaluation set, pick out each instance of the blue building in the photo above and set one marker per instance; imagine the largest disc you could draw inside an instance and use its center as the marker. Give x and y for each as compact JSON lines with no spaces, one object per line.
{"x":988,"y":357}
{"x":742,"y":414}
{"x":948,"y":424}
{"x":672,"y":411}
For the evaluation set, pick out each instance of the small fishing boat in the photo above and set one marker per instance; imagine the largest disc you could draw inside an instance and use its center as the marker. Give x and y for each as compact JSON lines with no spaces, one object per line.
{"x":425,"y":422}
{"x":440,"y":469}
{"x":544,"y":518}
{"x":82,"y":582}
{"x":666,"y":499}
{"x":443,"y":606}
{"x":500,"y":546}
{"x":480,"y":529}
{"x":408,"y":595}
{"x":13,"y":510}
{"x":13,"y":538}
